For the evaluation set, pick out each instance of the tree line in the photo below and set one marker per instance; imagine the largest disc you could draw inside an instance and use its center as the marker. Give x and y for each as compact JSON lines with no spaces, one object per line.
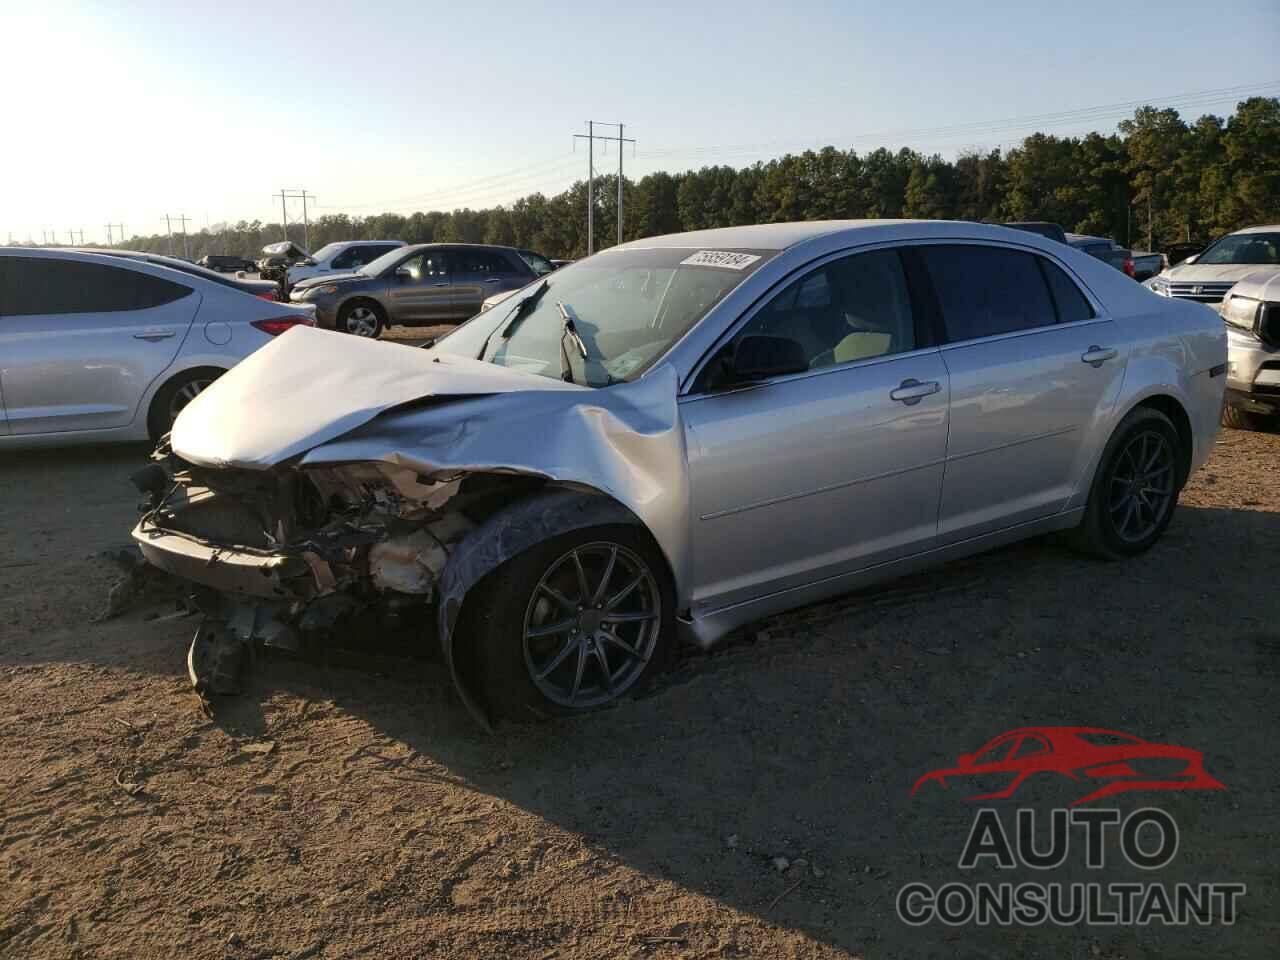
{"x":1156,"y":181}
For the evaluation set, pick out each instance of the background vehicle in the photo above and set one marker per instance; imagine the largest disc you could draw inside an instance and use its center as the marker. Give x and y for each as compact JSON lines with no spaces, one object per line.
{"x":277,"y":258}
{"x":1108,"y":251}
{"x":102,"y":347}
{"x":421,"y":285}
{"x":1251,"y":310}
{"x":1207,"y":278}
{"x":1041,"y":228}
{"x":1148,"y":265}
{"x":1176,"y":253}
{"x":225,"y":264}
{"x":346,"y":256}
{"x":877,"y":394}
{"x":264,"y":289}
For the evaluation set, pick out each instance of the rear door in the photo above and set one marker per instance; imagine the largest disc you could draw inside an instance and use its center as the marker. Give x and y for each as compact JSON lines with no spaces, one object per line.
{"x":1033,"y":363}
{"x":80,"y":341}
{"x":420,"y":289}
{"x":482,"y":273}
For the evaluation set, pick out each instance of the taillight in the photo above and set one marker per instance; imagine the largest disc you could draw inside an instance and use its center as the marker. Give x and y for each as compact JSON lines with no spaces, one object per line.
{"x":278,"y":325}
{"x":1129,"y":269}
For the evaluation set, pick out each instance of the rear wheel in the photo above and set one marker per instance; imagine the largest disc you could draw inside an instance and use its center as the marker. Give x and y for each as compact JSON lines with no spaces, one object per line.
{"x":1135,"y":489}
{"x":574,"y":624}
{"x":1238,"y":419}
{"x":171,"y":399}
{"x":362,"y":318}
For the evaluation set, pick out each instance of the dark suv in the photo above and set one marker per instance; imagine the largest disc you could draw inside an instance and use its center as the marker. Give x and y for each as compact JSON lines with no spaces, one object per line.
{"x":225,"y":264}
{"x":421,"y":285}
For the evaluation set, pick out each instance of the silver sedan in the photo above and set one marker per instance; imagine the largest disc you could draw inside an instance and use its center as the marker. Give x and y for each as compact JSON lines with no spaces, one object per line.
{"x":680,"y":435}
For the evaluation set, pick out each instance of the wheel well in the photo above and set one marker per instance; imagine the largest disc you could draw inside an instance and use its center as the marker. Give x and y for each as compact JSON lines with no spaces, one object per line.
{"x":160,"y":391}
{"x":1172,"y":409}
{"x":360,"y":298}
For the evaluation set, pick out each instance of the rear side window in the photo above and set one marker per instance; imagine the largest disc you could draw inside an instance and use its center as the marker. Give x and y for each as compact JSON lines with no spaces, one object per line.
{"x":1071,"y":303}
{"x":482,"y":261}
{"x":31,"y":285}
{"x":984,"y":291}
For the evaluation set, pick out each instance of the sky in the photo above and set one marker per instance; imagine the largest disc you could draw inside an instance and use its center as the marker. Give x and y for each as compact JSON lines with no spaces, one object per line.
{"x":118,"y":113}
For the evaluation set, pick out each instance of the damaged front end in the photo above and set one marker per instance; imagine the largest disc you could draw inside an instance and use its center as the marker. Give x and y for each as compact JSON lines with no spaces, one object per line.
{"x":283,"y":557}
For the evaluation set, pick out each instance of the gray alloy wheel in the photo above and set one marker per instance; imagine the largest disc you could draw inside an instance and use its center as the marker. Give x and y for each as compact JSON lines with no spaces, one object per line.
{"x":592,"y":625}
{"x":362,"y":320}
{"x":187,"y":392}
{"x":1142,"y":486}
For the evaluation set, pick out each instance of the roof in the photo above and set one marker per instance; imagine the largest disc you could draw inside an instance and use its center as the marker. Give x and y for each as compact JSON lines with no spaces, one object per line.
{"x":1261,"y":228}
{"x":781,"y":236}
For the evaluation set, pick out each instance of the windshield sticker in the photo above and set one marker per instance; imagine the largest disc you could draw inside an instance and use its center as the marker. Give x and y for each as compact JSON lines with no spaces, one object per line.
{"x":720,"y":258}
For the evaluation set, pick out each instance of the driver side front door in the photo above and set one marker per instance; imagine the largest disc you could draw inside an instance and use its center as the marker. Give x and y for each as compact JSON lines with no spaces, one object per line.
{"x":813,"y":475}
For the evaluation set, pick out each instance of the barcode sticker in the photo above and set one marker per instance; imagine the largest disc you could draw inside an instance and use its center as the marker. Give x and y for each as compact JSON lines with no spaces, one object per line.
{"x":720,"y":258}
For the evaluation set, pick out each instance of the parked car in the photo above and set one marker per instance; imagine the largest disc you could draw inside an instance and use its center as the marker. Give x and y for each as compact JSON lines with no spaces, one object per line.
{"x":1251,"y":310}
{"x":422,"y":285}
{"x":1041,"y":228}
{"x":107,"y":347}
{"x":225,"y":264}
{"x":1176,"y":253}
{"x":1207,"y":278}
{"x":539,"y":264}
{"x":1108,"y":251}
{"x":343,"y":257}
{"x":677,"y":436}
{"x":277,"y":258}
{"x":258,"y":288}
{"x":560,"y":263}
{"x":1148,"y":265}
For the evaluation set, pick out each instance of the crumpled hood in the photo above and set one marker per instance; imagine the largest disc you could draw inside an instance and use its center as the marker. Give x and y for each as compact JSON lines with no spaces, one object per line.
{"x":1209,"y":272}
{"x":311,"y":386}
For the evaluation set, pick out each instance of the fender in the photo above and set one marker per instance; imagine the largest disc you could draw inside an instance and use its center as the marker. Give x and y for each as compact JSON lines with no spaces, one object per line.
{"x":504,"y":535}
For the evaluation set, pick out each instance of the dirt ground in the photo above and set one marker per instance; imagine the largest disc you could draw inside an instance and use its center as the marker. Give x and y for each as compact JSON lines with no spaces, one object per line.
{"x":352,"y":808}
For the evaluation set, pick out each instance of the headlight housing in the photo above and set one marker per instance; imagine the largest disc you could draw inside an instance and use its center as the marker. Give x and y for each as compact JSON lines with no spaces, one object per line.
{"x":1240,"y":311}
{"x":325,"y":288}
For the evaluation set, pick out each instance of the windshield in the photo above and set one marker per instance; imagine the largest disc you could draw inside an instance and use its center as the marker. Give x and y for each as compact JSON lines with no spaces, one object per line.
{"x":375,"y":267}
{"x":539,"y":264}
{"x":628,"y":306}
{"x":1244,"y":248}
{"x":328,"y":250}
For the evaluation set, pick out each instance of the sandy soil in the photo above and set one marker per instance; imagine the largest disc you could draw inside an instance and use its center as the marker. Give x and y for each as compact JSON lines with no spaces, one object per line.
{"x":351,"y":808}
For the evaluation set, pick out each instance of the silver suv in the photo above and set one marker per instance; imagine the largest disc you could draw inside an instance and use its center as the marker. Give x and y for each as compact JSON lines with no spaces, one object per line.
{"x":1252,"y":312}
{"x":421,"y":285}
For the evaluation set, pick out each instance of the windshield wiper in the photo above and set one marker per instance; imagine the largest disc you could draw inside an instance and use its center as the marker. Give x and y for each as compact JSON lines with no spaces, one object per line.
{"x":570,"y":327}
{"x":519,"y":310}
{"x":567,"y":328}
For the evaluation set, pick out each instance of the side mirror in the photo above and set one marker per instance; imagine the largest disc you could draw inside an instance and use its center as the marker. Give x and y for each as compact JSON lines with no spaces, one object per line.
{"x":965,"y":760}
{"x":759,"y":358}
{"x":1192,"y":259}
{"x":404,"y":273}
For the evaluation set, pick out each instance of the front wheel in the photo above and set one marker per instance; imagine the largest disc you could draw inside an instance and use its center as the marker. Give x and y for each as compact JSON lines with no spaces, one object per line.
{"x":574,"y":624}
{"x":1135,"y":489}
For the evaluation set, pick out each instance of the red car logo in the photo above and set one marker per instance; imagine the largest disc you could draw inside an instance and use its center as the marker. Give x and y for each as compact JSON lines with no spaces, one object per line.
{"x":1116,"y":762}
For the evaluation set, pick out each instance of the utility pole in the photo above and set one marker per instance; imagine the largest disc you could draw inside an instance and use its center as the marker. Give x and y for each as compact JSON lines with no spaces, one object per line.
{"x":186,"y":250}
{"x":110,"y":241}
{"x":169,"y":229}
{"x":306,"y":223}
{"x":591,"y":137}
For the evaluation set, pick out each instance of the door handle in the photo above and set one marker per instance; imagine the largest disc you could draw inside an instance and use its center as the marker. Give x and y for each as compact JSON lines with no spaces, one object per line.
{"x":443,"y":283}
{"x":1097,"y":355}
{"x":912,"y":391}
{"x":154,"y":335}
{"x":493,"y":280}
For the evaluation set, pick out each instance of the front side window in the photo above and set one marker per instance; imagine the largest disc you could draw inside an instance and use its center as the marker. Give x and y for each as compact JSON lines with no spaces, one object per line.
{"x":348,"y":259}
{"x":539,"y":264}
{"x":40,"y":285}
{"x":1244,"y":248}
{"x":426,"y":265}
{"x":984,"y":291}
{"x":628,"y":308}
{"x":856,"y":308}
{"x":325,"y":252}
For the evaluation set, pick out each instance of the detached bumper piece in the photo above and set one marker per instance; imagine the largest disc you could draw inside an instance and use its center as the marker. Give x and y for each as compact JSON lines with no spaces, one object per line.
{"x":226,"y":569}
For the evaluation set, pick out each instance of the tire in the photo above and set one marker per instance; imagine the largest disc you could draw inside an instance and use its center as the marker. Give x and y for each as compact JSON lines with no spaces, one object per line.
{"x":362,"y":318}
{"x":527,"y":678}
{"x":1238,"y":419}
{"x":1130,"y":507}
{"x":175,"y":395}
